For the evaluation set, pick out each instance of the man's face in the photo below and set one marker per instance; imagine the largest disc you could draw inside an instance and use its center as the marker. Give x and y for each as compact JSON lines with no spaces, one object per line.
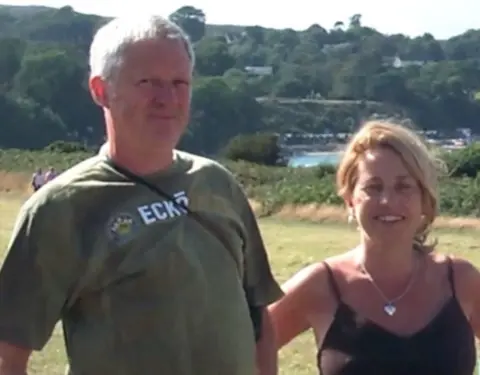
{"x":148,"y":98}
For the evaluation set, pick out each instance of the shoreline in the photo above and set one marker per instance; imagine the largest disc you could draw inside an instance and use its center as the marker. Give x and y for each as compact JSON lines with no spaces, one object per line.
{"x":317,"y":153}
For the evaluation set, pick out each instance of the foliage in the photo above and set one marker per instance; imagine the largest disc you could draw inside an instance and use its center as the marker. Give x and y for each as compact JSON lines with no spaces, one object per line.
{"x":248,"y":79}
{"x":273,"y":186}
{"x":16,"y":160}
{"x":261,"y":148}
{"x":460,"y":196}
{"x":324,"y":170}
{"x":66,"y":147}
{"x":464,"y":162}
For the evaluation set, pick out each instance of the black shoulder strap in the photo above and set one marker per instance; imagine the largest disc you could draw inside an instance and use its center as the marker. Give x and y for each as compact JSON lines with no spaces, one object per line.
{"x":451,"y":275}
{"x":332,"y":282}
{"x":255,"y":311}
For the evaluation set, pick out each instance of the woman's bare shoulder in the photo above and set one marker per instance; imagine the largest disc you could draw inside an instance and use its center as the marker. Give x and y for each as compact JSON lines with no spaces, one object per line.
{"x":313,"y":280}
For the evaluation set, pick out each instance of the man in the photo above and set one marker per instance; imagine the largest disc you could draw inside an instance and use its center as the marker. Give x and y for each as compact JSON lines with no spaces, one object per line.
{"x":50,"y":174}
{"x":37,"y":179}
{"x":143,"y":283}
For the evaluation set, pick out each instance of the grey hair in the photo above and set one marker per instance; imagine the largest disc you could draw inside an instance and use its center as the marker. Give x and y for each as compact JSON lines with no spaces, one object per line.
{"x":111,"y":40}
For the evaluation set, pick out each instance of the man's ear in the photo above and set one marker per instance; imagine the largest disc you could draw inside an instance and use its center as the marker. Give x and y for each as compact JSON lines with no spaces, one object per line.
{"x":98,"y":90}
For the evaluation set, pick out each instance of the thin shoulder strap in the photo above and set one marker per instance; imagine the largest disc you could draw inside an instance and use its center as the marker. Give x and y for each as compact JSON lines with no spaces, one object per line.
{"x":451,"y":276}
{"x":332,"y":282}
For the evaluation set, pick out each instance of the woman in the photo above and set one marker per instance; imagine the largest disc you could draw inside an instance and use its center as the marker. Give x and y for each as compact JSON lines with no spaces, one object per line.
{"x":392,"y":305}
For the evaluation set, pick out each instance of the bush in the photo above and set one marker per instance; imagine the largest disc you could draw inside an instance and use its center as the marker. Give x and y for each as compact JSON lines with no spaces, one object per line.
{"x":16,"y":160}
{"x":66,"y":147}
{"x":322,"y":171}
{"x":463,"y":162}
{"x":275,"y":186}
{"x":259,"y":148}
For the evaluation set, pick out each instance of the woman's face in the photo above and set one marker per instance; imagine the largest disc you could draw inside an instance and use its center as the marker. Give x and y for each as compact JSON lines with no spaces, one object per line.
{"x":386,"y":200}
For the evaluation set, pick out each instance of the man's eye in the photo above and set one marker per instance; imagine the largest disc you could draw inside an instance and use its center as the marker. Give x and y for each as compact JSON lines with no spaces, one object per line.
{"x":145,"y":81}
{"x":180,"y":82}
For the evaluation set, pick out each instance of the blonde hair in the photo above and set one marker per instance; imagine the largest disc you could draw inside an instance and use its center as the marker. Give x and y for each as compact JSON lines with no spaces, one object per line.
{"x":418,"y":159}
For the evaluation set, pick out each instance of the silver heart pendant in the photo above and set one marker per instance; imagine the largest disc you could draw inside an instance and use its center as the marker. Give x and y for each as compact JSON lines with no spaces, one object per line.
{"x":389,"y":309}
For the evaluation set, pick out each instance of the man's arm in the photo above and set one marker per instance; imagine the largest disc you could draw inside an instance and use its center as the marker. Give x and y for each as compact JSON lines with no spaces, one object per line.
{"x":260,"y":286}
{"x":267,"y":358}
{"x":35,"y":280}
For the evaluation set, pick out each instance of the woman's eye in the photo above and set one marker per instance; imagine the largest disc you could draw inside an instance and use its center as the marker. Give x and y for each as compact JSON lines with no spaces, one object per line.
{"x":404,"y":187}
{"x":373,"y":188}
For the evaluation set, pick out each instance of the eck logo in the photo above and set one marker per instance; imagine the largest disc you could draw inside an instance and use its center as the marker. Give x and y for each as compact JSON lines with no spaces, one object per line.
{"x":124,"y":226}
{"x":164,"y":210}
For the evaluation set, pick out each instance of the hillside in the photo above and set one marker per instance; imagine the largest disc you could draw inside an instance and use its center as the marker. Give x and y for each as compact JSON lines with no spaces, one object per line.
{"x":309,"y":115}
{"x":252,"y":78}
{"x":11,"y":14}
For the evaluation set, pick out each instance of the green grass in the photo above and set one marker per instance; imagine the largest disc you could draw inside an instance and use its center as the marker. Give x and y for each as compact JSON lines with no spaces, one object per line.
{"x":291,"y":244}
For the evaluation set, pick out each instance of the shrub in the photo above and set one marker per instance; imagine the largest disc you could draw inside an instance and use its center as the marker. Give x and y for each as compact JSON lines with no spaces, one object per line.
{"x":66,"y":147}
{"x":275,"y":186}
{"x":463,"y":162}
{"x":261,"y":148}
{"x":322,"y":171}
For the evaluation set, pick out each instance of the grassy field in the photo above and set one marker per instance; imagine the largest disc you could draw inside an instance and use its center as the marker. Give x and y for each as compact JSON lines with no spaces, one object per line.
{"x":292,"y":244}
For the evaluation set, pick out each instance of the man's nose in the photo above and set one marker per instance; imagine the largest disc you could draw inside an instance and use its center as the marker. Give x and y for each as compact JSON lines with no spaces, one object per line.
{"x":164,"y":92}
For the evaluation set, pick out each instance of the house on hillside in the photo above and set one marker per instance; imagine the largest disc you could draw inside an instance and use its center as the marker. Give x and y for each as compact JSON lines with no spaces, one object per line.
{"x":259,"y":70}
{"x":398,"y":63}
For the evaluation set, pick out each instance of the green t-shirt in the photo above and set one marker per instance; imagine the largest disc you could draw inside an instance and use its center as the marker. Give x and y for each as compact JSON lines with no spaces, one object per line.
{"x":140,"y":287}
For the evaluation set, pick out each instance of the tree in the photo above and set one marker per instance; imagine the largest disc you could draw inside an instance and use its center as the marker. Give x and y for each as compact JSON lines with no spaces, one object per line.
{"x":262,"y":148}
{"x":247,"y":79}
{"x":190,"y":19}
{"x":355,"y":21}
{"x":219,"y":110}
{"x":12,"y":50}
{"x":213,"y":57}
{"x":56,"y":80}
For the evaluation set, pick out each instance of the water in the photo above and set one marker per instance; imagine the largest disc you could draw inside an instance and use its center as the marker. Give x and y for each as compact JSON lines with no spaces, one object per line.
{"x":315,"y":158}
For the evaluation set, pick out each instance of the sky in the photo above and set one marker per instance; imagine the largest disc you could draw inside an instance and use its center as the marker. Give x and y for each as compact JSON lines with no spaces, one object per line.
{"x":441,"y":18}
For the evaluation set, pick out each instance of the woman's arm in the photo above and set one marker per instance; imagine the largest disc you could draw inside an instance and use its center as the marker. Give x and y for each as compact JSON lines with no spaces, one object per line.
{"x":467,"y":289}
{"x":303,"y":295}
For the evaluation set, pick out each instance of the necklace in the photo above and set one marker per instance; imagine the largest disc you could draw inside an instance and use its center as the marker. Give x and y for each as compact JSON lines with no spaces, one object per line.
{"x":389,"y":306}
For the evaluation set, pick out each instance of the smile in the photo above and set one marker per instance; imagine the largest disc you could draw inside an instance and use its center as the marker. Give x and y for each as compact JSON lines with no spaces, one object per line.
{"x":389,"y":218}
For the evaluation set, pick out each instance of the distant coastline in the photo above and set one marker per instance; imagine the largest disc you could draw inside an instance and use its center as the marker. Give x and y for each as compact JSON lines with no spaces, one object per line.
{"x":319,"y":153}
{"x":314,"y":158}
{"x":304,"y":149}
{"x":331,"y":154}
